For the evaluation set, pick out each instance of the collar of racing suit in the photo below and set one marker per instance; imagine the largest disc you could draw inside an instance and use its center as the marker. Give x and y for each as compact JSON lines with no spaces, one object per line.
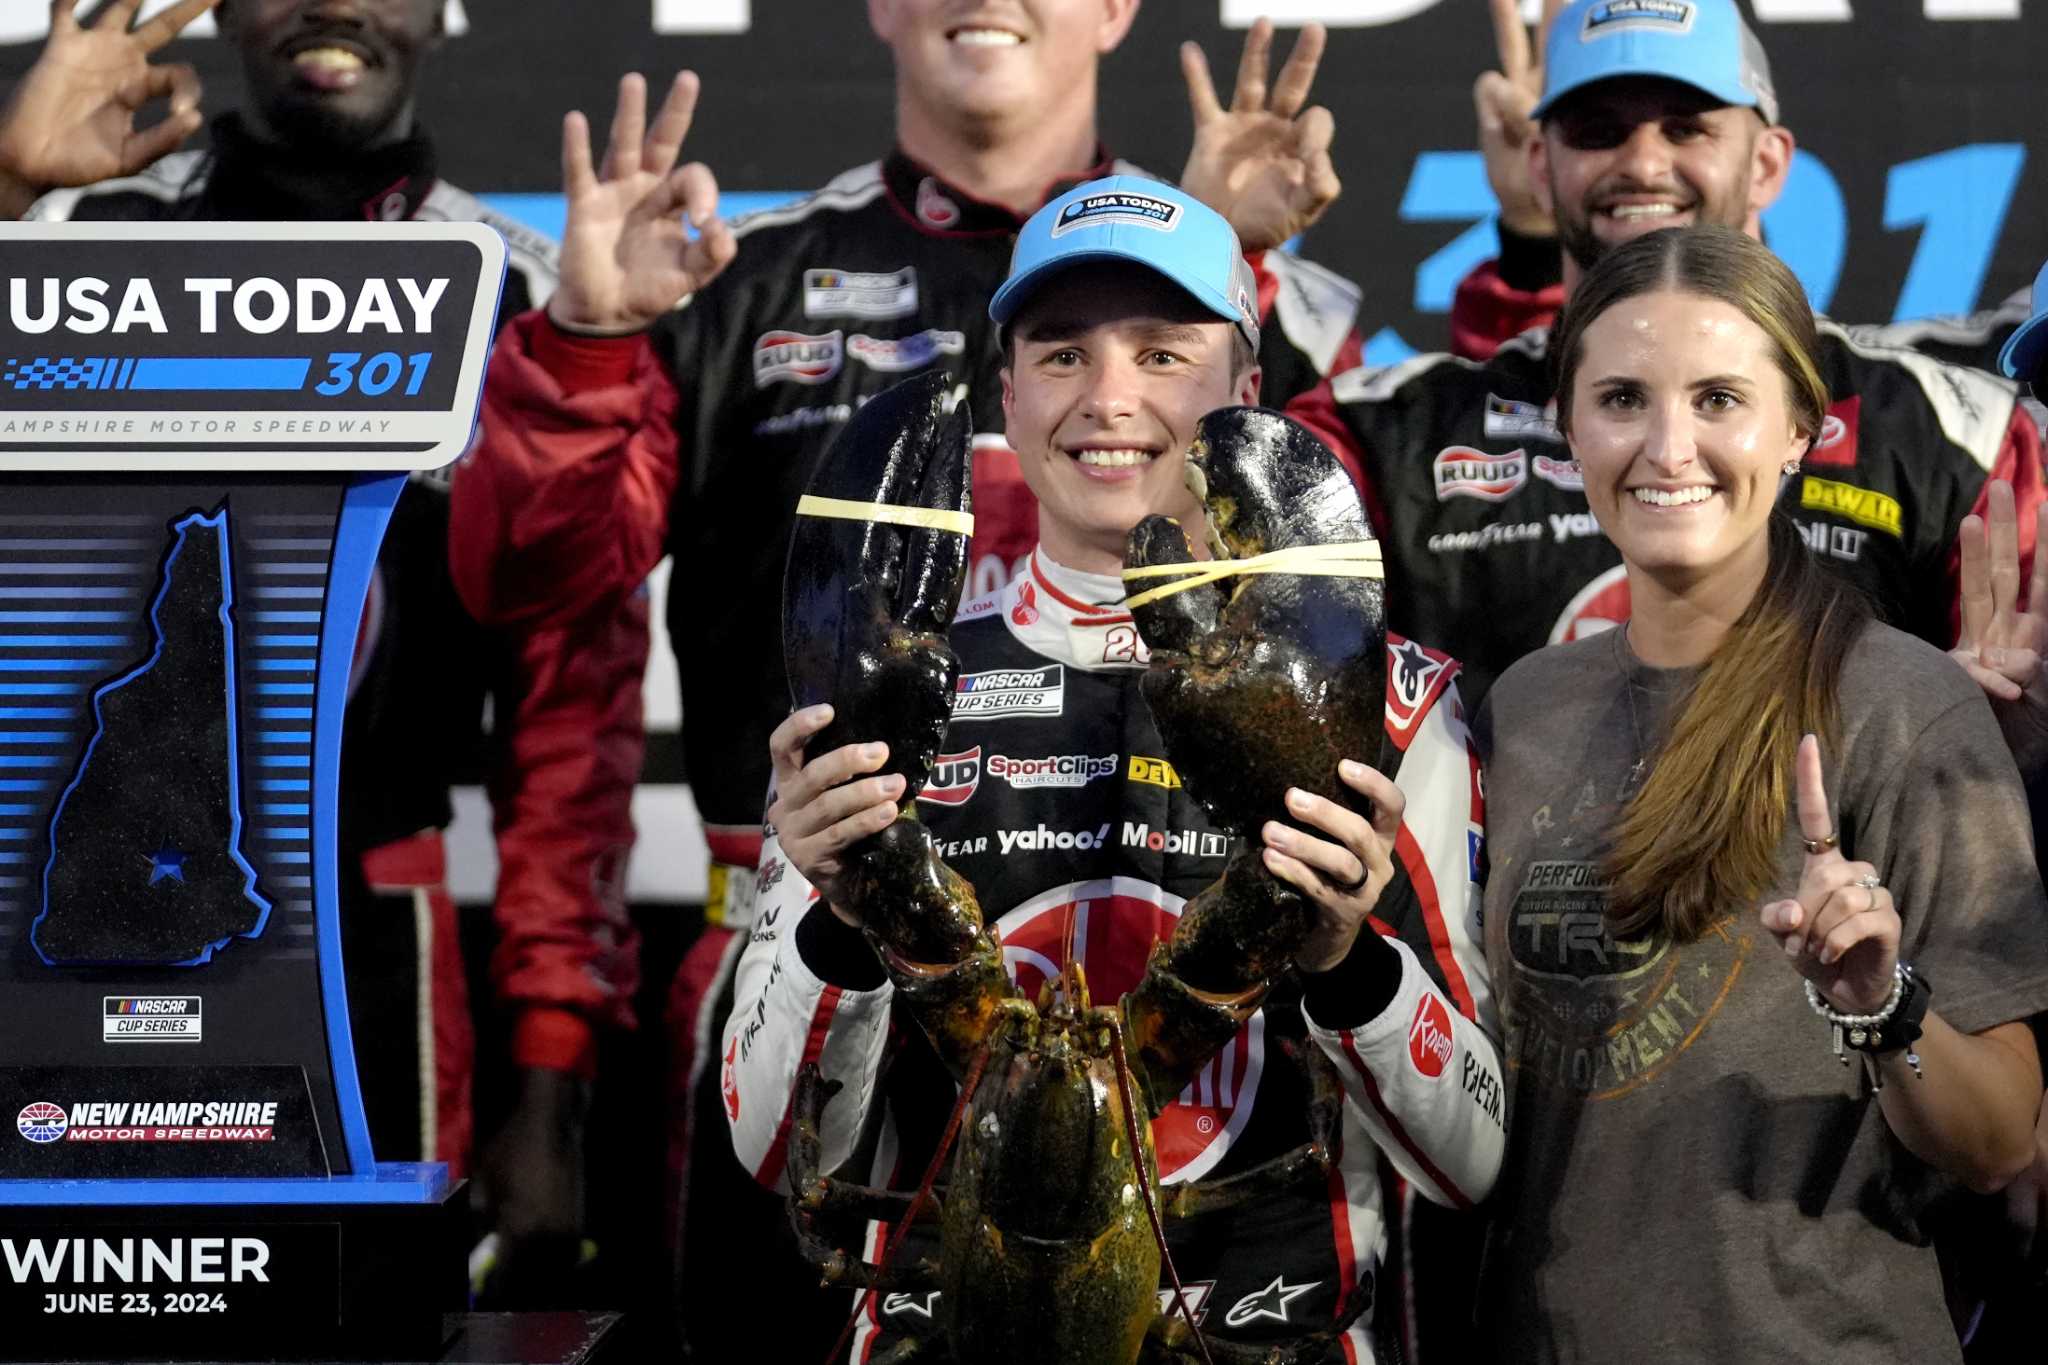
{"x":1066,"y":615}
{"x":256,"y":180}
{"x":945,"y":210}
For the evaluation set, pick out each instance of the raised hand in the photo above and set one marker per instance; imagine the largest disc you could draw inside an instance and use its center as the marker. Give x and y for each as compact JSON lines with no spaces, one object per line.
{"x":2002,"y":646}
{"x":824,"y":808}
{"x":71,"y":120}
{"x":1263,"y":163}
{"x":626,"y":258}
{"x":1841,"y":930}
{"x":1503,"y":100}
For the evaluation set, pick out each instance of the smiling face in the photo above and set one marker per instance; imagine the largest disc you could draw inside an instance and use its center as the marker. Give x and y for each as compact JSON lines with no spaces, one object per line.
{"x":1632,"y":155}
{"x":1112,"y":369}
{"x":333,"y":75}
{"x":1681,"y":419}
{"x":986,"y":60}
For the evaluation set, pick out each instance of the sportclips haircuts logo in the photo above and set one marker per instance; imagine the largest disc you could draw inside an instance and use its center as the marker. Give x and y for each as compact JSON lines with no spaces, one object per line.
{"x":214,"y":1121}
{"x":1054,"y":770}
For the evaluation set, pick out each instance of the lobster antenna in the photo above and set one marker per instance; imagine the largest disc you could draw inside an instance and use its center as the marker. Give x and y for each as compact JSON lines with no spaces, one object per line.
{"x":918,"y":1201}
{"x":1123,"y":1085}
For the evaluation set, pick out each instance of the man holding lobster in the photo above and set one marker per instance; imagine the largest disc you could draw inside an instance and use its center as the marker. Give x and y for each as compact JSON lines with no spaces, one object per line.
{"x":1058,"y":803}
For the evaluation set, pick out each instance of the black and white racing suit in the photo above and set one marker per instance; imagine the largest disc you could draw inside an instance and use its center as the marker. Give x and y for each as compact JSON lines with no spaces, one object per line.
{"x":1055,"y":799}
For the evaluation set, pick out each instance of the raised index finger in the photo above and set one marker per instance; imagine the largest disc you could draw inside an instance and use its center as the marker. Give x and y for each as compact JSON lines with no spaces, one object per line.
{"x":171,"y":23}
{"x":1814,"y":820}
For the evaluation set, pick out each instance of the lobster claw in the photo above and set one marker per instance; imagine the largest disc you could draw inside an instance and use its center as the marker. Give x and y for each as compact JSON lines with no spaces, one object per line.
{"x":875,"y":569}
{"x":1263,"y":681}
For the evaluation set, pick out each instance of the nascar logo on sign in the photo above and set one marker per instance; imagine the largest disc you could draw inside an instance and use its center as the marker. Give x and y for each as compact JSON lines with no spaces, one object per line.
{"x":1099,"y":210}
{"x":41,"y":1122}
{"x":149,"y":1019}
{"x":1113,"y":925}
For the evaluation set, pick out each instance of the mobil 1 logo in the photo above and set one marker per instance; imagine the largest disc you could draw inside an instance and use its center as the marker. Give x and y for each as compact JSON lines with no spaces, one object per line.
{"x":147,"y":347}
{"x":149,"y":1281}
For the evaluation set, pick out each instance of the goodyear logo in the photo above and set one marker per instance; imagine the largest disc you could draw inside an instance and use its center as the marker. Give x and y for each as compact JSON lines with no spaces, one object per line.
{"x":1864,"y":506}
{"x":1156,"y":771}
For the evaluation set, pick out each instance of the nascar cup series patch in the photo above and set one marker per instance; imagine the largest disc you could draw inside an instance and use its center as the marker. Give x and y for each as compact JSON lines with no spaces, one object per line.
{"x":1100,"y":210}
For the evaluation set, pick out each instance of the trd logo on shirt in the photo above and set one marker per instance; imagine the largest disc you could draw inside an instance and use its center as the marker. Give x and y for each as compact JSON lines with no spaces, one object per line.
{"x":1462,"y":472}
{"x":955,"y":777}
{"x":1429,"y":1037}
{"x":1010,"y":692}
{"x":797,"y":356}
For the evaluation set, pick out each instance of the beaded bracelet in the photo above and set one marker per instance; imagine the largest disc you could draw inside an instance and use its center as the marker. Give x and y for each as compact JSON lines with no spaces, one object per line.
{"x":1865,"y":1032}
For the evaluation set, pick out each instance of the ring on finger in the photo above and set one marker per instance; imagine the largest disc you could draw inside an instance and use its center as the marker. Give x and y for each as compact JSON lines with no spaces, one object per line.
{"x":1822,"y":844}
{"x":1354,"y":887}
{"x":1869,"y":882}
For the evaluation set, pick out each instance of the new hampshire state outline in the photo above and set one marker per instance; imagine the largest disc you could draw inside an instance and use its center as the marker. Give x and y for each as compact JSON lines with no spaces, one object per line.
{"x":145,"y":861}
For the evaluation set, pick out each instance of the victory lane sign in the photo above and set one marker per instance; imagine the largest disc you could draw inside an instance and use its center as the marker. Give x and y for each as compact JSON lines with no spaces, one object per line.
{"x":242,"y":346}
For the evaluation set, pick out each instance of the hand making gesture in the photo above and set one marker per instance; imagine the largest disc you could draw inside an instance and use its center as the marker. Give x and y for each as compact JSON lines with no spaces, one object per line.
{"x":1841,"y":930}
{"x":1263,"y":163}
{"x":626,"y":258}
{"x":2002,"y":646}
{"x":71,"y":120}
{"x":1503,"y":100}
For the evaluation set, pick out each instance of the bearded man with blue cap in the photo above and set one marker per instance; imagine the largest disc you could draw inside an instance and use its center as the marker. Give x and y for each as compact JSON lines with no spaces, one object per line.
{"x":1128,"y":315}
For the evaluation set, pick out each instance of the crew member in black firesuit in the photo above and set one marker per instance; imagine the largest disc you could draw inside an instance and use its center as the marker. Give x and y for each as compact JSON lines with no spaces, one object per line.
{"x":601,"y":452}
{"x":1061,"y":808}
{"x":326,"y":131}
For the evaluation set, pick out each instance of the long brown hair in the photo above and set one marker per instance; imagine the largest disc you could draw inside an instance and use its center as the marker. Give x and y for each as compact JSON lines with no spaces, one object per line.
{"x":1703,"y":833}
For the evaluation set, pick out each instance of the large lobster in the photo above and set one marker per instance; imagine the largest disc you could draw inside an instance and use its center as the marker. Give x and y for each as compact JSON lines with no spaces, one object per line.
{"x":1050,"y":1239}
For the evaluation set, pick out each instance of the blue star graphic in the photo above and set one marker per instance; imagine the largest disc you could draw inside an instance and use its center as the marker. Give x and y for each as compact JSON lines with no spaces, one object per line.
{"x":166,"y":862}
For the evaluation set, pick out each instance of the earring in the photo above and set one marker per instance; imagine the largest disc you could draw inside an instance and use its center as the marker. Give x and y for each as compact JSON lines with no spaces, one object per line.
{"x":1791,"y":468}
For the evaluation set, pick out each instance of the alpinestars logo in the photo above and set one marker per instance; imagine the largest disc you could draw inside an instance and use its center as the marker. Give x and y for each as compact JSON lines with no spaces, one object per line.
{"x":955,"y":778}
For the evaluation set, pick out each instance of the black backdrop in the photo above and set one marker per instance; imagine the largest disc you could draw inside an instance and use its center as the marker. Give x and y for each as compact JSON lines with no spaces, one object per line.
{"x":803,"y":91}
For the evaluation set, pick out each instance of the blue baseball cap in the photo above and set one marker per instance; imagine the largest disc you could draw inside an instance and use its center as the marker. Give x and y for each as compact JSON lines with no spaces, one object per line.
{"x":1145,"y":222}
{"x":2026,"y":351}
{"x":1700,"y":43}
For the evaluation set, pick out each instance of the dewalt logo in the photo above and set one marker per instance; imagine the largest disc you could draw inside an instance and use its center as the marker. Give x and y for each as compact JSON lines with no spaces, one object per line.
{"x":1156,"y":771}
{"x":1860,"y":505}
